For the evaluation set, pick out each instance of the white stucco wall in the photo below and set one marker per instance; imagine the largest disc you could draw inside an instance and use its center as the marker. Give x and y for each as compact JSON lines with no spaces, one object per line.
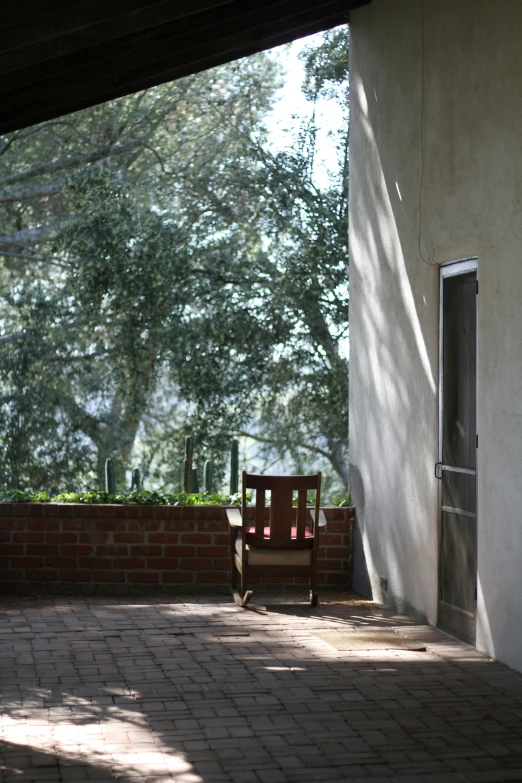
{"x":435,"y":171}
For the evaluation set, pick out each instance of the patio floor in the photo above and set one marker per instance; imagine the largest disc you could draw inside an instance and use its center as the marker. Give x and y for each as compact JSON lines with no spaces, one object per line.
{"x":196,"y":690}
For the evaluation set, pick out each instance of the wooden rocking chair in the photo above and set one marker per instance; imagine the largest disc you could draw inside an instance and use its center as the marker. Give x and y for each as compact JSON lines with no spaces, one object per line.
{"x":287,"y":544}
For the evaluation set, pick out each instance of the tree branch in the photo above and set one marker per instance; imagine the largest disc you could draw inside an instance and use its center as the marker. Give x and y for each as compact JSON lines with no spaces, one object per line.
{"x":72,"y":162}
{"x":36,"y":191}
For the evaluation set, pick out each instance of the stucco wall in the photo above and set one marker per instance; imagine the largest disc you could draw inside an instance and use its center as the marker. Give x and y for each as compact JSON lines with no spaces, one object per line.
{"x":435,"y":175}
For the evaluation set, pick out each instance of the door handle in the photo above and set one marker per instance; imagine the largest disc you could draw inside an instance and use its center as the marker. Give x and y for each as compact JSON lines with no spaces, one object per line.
{"x":438,"y":470}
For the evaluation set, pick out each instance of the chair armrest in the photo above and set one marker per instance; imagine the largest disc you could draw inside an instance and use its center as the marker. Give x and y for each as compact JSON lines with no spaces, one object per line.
{"x":234,"y":517}
{"x":322,"y":518}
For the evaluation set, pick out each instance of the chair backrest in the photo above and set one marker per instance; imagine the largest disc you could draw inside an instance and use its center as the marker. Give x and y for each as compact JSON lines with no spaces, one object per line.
{"x":287,"y":524}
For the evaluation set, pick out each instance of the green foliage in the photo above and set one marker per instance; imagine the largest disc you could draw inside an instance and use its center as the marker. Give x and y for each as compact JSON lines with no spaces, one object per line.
{"x":343,"y":501}
{"x":165,"y":271}
{"x":122,"y":497}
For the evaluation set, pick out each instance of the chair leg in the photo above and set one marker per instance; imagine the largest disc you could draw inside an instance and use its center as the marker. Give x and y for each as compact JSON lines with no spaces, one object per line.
{"x":314,"y":595}
{"x":240,"y":598}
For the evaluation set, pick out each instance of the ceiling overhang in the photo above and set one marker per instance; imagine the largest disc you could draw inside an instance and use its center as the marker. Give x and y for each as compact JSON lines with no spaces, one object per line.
{"x":63,"y":55}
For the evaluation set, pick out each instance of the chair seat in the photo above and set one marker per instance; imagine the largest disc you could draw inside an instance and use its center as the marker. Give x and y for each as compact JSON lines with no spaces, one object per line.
{"x":293,"y":533}
{"x":257,"y":555}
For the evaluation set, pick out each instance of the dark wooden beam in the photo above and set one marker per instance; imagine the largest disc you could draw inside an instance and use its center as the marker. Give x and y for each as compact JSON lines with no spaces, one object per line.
{"x":146,"y":47}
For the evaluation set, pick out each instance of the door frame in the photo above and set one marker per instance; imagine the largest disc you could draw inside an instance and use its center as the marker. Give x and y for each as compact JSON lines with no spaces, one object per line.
{"x":460,"y":266}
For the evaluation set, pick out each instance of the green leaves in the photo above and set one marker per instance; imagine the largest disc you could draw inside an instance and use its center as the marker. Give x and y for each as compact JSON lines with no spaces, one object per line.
{"x":142,"y":498}
{"x":166,"y":272}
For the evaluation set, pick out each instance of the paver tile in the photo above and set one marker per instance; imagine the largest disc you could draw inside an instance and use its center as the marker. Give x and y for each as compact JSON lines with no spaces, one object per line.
{"x":156,"y":689}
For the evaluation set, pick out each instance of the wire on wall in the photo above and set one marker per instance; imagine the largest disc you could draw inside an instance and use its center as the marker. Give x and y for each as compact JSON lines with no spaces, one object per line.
{"x":423,"y":68}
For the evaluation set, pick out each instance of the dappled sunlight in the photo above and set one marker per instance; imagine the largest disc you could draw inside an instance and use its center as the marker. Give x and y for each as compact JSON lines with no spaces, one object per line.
{"x":197,"y":688}
{"x":394,"y":360}
{"x":105,"y":739}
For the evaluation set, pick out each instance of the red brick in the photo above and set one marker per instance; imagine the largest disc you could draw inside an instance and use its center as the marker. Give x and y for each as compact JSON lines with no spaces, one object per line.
{"x":133,"y":512}
{"x":43,"y":549}
{"x":221,"y":564}
{"x":76,"y":524}
{"x":179,"y":525}
{"x":41,"y":575}
{"x":90,"y":511}
{"x":26,"y":562}
{"x":5,"y":537}
{"x":330,"y":539}
{"x":111,"y":549}
{"x":57,"y":510}
{"x":160,"y":512}
{"x":212,"y":577}
{"x":213,"y":551}
{"x":175,"y":512}
{"x":12,"y":524}
{"x":144,"y":577}
{"x":95,"y":562}
{"x":129,"y":538}
{"x":21,"y":509}
{"x":196,"y":564}
{"x":158,"y":563}
{"x":334,"y":579}
{"x":12,"y":576}
{"x":43,"y":524}
{"x":77,"y":549}
{"x":109,"y":525}
{"x":29,"y":538}
{"x":90,"y":537}
{"x":151,"y":525}
{"x":163,"y":538}
{"x":222,"y":538}
{"x":196,"y":538}
{"x":329,"y":565}
{"x":337,"y":552}
{"x":129,"y":562}
{"x":75,"y":576}
{"x":36,"y":510}
{"x":336,"y":527}
{"x":187,"y":512}
{"x":147,"y":550}
{"x":180,"y":551}
{"x":12,"y":549}
{"x":108,"y":510}
{"x":108,"y":576}
{"x":4,"y":562}
{"x":213,"y":526}
{"x":177,"y":577}
{"x":7,"y":509}
{"x":60,"y":562}
{"x":61,"y":538}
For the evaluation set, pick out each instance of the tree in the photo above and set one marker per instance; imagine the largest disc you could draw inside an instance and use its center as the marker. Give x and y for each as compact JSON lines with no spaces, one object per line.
{"x":164,"y":271}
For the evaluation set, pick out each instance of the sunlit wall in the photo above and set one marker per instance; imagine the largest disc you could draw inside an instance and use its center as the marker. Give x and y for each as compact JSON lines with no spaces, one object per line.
{"x":435,"y":175}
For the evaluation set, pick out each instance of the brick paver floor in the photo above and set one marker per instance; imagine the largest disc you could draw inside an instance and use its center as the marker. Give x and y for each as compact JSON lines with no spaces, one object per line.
{"x":196,"y":690}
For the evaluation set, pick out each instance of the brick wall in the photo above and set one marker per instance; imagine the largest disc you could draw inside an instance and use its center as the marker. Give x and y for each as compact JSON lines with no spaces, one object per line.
{"x":99,"y":547}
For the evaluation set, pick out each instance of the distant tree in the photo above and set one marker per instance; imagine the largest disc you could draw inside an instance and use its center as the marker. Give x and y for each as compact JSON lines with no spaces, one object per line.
{"x":165,"y":272}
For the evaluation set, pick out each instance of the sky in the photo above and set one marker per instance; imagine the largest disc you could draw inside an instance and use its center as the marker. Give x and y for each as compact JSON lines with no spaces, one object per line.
{"x":292,"y":106}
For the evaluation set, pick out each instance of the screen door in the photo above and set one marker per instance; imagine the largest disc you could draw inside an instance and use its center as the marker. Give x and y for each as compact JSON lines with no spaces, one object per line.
{"x":458,"y":443}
